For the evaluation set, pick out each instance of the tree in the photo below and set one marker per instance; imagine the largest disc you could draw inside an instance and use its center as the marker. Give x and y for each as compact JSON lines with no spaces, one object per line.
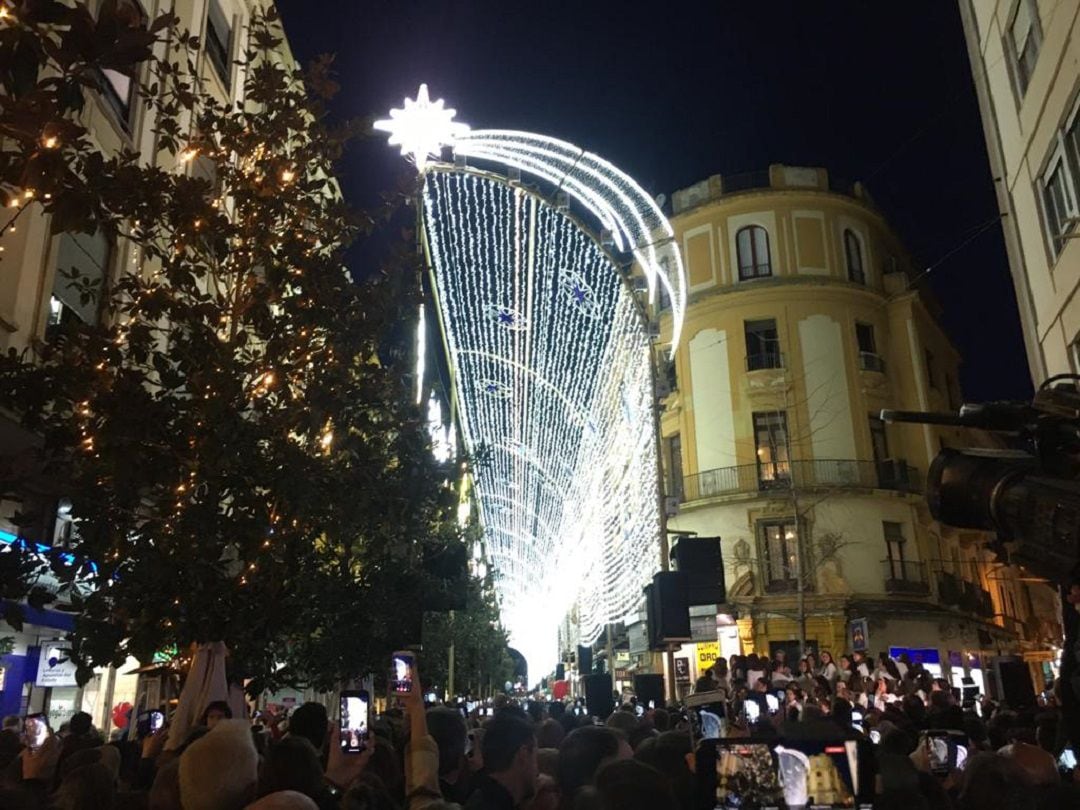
{"x":242,"y":466}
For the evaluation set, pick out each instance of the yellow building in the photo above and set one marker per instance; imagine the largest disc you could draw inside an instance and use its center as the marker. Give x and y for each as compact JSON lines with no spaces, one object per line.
{"x":1025,"y":60}
{"x":33,"y":295}
{"x":802,"y":326}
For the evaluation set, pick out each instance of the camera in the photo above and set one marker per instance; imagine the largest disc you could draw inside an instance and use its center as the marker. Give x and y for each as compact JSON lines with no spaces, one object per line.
{"x":1027,"y":492}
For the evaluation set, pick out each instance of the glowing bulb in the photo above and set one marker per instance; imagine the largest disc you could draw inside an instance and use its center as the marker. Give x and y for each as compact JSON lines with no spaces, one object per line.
{"x":188,"y":155}
{"x":288,"y":175}
{"x":422,"y":127}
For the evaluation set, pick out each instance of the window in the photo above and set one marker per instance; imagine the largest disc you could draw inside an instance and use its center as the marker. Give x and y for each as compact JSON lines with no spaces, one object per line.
{"x":853,"y":252}
{"x":869,"y":359}
{"x":675,"y":467}
{"x":1058,"y":202}
{"x":219,"y":42}
{"x":780,"y":547}
{"x":762,"y":345}
{"x":894,"y":548}
{"x":118,"y":89}
{"x":1022,"y":43}
{"x":752,"y":246}
{"x":879,"y":441}
{"x":87,"y":257}
{"x":930,"y":378}
{"x":771,"y":443}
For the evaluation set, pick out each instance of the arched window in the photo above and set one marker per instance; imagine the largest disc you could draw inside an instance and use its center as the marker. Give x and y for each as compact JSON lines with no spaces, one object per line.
{"x":853,"y":251}
{"x":752,"y":245}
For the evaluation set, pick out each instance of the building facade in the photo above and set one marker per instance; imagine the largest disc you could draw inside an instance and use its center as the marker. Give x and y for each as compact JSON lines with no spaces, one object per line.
{"x":33,"y":295}
{"x":802,"y":326}
{"x":1025,"y":61}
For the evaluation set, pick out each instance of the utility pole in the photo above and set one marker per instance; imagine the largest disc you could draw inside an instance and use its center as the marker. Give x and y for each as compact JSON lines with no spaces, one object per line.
{"x":450,"y":663}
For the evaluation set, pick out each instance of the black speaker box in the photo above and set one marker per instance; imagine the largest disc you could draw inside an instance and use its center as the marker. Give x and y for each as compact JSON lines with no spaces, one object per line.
{"x":560,"y":671}
{"x":1014,"y":681}
{"x":599,"y":701}
{"x":666,"y":609}
{"x":584,"y":660}
{"x":649,"y":688}
{"x":701,"y":560}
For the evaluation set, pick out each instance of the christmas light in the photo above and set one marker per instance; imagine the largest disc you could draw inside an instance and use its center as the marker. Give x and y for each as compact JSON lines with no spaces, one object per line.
{"x":552,"y":376}
{"x":422,"y":127}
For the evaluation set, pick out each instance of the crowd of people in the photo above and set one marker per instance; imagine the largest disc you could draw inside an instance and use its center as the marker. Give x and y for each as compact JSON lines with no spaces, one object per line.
{"x":552,"y":755}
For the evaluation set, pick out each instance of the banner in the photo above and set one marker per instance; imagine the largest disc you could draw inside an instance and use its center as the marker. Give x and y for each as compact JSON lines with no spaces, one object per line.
{"x":682,"y":671}
{"x":860,"y":635}
{"x":707,"y":653}
{"x":55,"y":667}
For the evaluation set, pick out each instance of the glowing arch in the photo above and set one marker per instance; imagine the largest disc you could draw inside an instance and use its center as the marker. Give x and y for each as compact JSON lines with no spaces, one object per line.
{"x":550,"y":354}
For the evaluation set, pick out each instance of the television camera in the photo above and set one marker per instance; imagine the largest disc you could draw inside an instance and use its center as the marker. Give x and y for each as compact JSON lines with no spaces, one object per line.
{"x":1028,"y":492}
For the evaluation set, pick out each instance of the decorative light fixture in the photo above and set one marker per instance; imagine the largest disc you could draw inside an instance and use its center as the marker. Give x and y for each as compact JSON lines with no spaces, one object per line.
{"x":551,"y":360}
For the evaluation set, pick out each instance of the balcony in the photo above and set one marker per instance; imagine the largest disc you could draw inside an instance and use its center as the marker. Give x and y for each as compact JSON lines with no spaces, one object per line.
{"x":1010,"y":624}
{"x":868,"y":361}
{"x":816,"y":474}
{"x":905,"y":576}
{"x":974,"y":599}
{"x":949,"y":590}
{"x":757,"y":362}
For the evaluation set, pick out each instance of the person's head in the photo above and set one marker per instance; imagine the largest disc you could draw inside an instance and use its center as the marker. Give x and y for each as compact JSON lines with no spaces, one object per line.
{"x":583,"y":752}
{"x":845,"y":662}
{"x":90,"y":787}
{"x":1038,"y":765}
{"x":509,"y":749}
{"x":623,"y":721}
{"x":219,"y":771}
{"x":310,"y":721}
{"x":632,"y":785}
{"x":761,"y":685}
{"x":447,"y":727}
{"x":811,"y":711}
{"x":992,"y":782}
{"x":215,"y":712}
{"x":284,"y":800}
{"x":291,"y":764}
{"x":840,"y":712}
{"x":804,"y":666}
{"x":780,"y":655}
{"x":812,"y":660}
{"x":550,"y":734}
{"x":80,"y":723}
{"x":720,"y":668}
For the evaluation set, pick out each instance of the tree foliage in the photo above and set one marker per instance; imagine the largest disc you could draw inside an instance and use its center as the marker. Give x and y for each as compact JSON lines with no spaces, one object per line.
{"x":242,"y":466}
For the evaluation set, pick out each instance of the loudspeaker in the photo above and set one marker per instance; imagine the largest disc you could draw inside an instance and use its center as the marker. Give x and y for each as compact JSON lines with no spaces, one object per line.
{"x":666,"y":610}
{"x":701,"y":560}
{"x":649,"y":688}
{"x":584,"y":660}
{"x":560,"y":671}
{"x":598,"y":699}
{"x":1014,"y":681}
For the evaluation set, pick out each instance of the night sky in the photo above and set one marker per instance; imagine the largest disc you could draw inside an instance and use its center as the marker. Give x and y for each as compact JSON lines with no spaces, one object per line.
{"x":673,"y":92}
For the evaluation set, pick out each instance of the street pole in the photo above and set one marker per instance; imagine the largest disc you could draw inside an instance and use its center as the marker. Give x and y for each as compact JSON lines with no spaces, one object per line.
{"x":450,"y":663}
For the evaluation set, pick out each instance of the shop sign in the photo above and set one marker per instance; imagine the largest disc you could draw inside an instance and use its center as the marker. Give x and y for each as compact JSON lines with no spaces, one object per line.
{"x":707,"y":653}
{"x":682,"y":671}
{"x":55,"y":667}
{"x":639,"y":637}
{"x":859,"y":634}
{"x":703,"y":628}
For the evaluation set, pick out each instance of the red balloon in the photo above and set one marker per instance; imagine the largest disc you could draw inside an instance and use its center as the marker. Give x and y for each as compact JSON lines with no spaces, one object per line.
{"x":121,"y":714}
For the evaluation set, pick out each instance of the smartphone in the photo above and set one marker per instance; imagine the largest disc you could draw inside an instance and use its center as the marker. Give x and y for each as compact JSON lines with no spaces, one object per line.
{"x":773,"y":703}
{"x":947,"y":750}
{"x":857,"y":720}
{"x":1067,"y":760}
{"x":639,"y":710}
{"x":652,"y":704}
{"x":402,"y":668}
{"x":752,"y":711}
{"x":875,"y":736}
{"x":355,"y":706}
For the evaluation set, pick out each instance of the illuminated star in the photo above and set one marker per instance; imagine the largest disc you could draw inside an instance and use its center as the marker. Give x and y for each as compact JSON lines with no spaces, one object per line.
{"x":422,"y":127}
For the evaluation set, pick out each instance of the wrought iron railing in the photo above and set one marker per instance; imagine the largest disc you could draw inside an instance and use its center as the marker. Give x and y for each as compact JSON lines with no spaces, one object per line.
{"x":817,"y":473}
{"x":905,"y":576}
{"x":757,"y":362}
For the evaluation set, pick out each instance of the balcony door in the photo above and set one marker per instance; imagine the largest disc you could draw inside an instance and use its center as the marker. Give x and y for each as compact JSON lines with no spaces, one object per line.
{"x":771,"y":443}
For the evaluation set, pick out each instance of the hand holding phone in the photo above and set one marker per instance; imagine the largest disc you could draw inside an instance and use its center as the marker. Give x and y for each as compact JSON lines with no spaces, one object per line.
{"x":401,"y":678}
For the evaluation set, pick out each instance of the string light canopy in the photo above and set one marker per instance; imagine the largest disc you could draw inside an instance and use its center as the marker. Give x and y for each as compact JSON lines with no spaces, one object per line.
{"x":551,"y":361}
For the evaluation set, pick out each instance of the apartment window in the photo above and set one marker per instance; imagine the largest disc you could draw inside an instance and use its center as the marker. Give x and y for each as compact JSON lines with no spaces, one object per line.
{"x":771,"y":443}
{"x":894,"y":548}
{"x":752,"y":246}
{"x":1058,"y":201}
{"x":1024,"y":38}
{"x":780,"y":548}
{"x":930,"y":376}
{"x":869,"y":359}
{"x":219,"y":42}
{"x":853,"y":252}
{"x":675,"y":474}
{"x":81,"y":271}
{"x":878,"y":440}
{"x":118,"y":89}
{"x":762,"y":345}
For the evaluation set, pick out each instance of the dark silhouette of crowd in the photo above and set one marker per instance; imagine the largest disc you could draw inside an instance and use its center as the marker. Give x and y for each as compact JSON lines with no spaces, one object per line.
{"x":521,"y":753}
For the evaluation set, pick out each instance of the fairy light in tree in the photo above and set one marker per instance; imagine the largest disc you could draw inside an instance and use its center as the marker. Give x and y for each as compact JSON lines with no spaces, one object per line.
{"x":551,"y":362}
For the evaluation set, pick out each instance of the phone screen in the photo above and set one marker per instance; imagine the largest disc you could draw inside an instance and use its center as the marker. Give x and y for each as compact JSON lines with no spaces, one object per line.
{"x":1067,"y":760}
{"x":402,"y":678}
{"x":752,"y":710}
{"x":947,"y":750}
{"x":773,"y":702}
{"x":157,"y":720}
{"x":639,"y":710}
{"x":875,"y":736}
{"x":354,"y":721}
